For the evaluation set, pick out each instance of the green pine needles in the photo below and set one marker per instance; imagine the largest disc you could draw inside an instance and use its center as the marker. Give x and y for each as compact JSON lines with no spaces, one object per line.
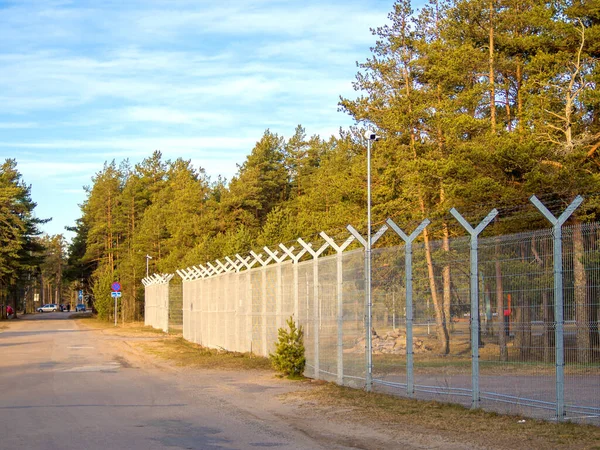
{"x":289,"y":354}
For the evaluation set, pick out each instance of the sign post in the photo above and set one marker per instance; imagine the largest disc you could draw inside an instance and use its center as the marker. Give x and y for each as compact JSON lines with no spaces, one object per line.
{"x":116,"y":288}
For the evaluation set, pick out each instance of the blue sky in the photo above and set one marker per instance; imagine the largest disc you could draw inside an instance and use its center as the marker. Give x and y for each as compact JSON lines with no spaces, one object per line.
{"x":83,"y":82}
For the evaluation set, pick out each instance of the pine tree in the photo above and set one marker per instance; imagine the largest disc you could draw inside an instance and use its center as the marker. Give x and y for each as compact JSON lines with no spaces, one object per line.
{"x":289,"y":356}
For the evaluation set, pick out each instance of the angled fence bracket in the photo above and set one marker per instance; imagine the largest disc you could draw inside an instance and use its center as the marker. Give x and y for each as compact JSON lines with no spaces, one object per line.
{"x":368,"y":244}
{"x":340,"y":301}
{"x":408,"y":241}
{"x":316,"y":300}
{"x":474,"y":276}
{"x":557,"y":224}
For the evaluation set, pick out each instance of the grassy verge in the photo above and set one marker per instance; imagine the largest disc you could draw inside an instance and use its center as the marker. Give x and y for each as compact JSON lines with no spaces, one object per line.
{"x":457,"y":422}
{"x":396,"y":413}
{"x":133,"y":328}
{"x":483,"y":427}
{"x":184,"y":353}
{"x":452,"y":364}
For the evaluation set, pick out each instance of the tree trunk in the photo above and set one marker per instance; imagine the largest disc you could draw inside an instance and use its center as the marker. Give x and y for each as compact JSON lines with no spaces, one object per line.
{"x":492,"y":69}
{"x":441,"y":329}
{"x":446,"y":276}
{"x":502,"y":328}
{"x":519,"y":83}
{"x":507,"y":108}
{"x":523,"y":321}
{"x":446,"y":273}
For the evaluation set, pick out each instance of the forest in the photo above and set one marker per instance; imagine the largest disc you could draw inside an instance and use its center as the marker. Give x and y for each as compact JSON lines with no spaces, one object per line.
{"x":479,"y":103}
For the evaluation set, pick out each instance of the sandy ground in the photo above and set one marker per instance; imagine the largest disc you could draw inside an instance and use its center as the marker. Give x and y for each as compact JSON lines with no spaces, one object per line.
{"x":66,"y":385}
{"x":282,"y":403}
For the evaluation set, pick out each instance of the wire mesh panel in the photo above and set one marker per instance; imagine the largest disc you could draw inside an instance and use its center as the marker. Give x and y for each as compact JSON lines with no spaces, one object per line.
{"x":245,"y":290}
{"x":186,"y":310}
{"x":517,"y":324}
{"x":389,"y":318}
{"x":201,"y":289}
{"x":354,"y":357}
{"x":441,"y":321}
{"x":581,"y":258}
{"x":256,"y":312}
{"x":150,"y":300}
{"x":305,"y":313}
{"x":289,"y":292}
{"x":205,"y":309}
{"x":195,"y":299}
{"x":156,"y":307}
{"x":176,"y":306}
{"x":272,"y":321}
{"x":327,"y":322}
{"x":514,"y":329}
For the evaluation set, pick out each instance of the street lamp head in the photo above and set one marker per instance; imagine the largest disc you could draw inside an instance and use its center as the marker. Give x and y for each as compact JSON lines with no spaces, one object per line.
{"x":148,"y":257}
{"x":371,"y":136}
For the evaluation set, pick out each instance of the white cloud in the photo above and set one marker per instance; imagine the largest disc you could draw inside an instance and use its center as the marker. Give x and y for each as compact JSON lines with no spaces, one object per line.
{"x":185,"y":144}
{"x":46,"y":168}
{"x":174,"y":116}
{"x":83,"y":82}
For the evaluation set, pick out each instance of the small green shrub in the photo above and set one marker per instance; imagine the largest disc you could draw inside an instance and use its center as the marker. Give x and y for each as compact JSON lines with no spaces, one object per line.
{"x":289,"y":354}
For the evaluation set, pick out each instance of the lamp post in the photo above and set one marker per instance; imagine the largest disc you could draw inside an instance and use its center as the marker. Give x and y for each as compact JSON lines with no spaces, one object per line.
{"x":371,"y":137}
{"x":147,"y":258}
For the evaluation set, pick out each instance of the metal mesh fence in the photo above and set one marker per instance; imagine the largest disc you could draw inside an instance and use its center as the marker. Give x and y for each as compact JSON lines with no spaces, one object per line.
{"x":176,"y":306}
{"x":156,"y":306}
{"x":513,"y":365}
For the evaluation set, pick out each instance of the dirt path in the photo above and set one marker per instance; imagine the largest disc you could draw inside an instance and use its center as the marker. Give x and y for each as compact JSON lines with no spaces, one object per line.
{"x":302,"y":407}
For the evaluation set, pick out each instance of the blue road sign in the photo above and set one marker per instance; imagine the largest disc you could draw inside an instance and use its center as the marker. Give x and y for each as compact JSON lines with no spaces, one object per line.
{"x":116,"y":286}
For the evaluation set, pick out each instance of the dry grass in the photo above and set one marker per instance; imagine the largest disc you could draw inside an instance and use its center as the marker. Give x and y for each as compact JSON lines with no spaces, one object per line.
{"x":128,"y":329}
{"x":457,"y":422}
{"x":459,"y":362}
{"x":501,"y":431}
{"x":184,"y":353}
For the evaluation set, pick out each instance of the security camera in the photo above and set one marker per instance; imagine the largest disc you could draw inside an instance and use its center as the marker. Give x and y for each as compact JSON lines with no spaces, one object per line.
{"x":371,"y":136}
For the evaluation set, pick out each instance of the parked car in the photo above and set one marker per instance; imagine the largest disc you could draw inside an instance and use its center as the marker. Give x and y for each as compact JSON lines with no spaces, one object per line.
{"x":80,"y":307}
{"x":50,"y":307}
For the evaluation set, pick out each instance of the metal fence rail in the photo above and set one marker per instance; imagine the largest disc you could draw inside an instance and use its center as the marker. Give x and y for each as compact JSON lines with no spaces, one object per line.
{"x":507,"y":323}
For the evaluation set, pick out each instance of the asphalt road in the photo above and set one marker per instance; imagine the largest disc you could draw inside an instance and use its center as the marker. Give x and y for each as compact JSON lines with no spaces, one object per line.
{"x":63,"y":386}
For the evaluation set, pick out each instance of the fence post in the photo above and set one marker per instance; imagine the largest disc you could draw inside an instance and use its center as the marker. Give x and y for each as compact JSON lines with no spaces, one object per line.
{"x":474,"y":276}
{"x":558,"y":296}
{"x":368,"y":301}
{"x":340,"y":302}
{"x":316,"y":299}
{"x":408,"y":240}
